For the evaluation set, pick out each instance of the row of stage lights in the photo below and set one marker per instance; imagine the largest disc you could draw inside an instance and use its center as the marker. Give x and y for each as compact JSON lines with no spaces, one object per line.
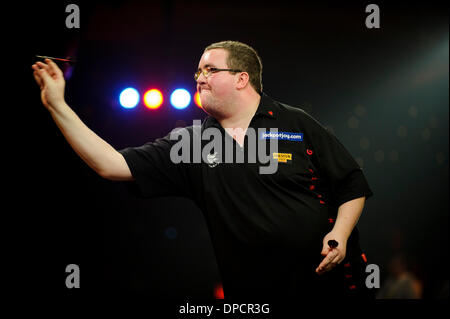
{"x":180,"y":98}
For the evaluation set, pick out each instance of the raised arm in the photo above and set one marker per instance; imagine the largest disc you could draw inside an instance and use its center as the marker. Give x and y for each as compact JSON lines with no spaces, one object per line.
{"x":97,"y":153}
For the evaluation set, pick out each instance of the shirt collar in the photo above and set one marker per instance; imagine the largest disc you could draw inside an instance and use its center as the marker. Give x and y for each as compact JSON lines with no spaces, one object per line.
{"x":265,"y":108}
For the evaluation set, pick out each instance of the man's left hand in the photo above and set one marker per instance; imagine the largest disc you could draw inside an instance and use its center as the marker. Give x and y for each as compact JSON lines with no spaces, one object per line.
{"x":333,"y":256}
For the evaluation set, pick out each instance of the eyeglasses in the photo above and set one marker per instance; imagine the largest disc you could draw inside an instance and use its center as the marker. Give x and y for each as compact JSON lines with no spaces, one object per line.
{"x":207,"y":72}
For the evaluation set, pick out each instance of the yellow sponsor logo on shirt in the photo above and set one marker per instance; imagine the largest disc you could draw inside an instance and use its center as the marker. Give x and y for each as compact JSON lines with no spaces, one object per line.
{"x":282,"y":157}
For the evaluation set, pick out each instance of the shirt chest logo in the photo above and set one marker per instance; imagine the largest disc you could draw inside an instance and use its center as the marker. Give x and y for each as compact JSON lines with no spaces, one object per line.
{"x":213,"y":160}
{"x":288,"y":136}
{"x":282,"y":157}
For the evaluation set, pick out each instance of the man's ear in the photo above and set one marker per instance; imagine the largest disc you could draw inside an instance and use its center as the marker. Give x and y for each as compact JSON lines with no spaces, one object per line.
{"x":243,"y":80}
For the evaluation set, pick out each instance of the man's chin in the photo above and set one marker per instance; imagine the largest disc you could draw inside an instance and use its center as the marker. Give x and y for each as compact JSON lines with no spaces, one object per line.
{"x":205,"y":101}
{"x":210,"y":106}
{"x":206,"y":109}
{"x":209,"y":109}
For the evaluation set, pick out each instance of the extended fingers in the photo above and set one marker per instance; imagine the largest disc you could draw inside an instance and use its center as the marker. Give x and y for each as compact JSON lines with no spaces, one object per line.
{"x":329,"y":262}
{"x":42,"y":74}
{"x":37,"y":73}
{"x":41,"y":65}
{"x":333,"y":262}
{"x":46,"y":67}
{"x":50,"y":66}
{"x":54,"y":69}
{"x":37,"y":78}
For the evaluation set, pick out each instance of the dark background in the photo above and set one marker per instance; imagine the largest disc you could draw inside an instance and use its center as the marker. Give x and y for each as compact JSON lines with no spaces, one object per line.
{"x":383,"y":92}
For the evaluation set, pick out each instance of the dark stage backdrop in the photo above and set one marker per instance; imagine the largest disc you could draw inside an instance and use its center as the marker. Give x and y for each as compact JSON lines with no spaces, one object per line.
{"x":383,"y":92}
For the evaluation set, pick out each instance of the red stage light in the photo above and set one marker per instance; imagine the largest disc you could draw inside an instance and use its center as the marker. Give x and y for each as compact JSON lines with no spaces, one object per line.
{"x":153,"y":99}
{"x":218,"y":292}
{"x":197,"y":100}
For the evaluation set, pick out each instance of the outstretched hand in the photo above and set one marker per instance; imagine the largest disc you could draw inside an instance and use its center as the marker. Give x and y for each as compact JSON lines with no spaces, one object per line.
{"x":51,"y":81}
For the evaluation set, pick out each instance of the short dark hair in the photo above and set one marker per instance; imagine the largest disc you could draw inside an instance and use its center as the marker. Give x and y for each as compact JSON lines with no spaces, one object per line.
{"x":242,"y":57}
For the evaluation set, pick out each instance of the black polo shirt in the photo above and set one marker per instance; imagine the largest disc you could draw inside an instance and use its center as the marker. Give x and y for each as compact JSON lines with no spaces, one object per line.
{"x":266,"y":229}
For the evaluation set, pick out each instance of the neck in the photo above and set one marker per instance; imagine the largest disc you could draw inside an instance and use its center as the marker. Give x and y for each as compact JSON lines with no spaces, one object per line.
{"x":244,"y":110}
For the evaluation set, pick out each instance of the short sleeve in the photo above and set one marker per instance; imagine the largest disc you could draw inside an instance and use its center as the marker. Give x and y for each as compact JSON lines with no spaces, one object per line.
{"x":346,"y":178}
{"x":155,"y":175}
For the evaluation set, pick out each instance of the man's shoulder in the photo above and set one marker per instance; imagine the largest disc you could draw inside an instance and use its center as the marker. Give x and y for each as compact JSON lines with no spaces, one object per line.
{"x":296,"y":113}
{"x":294,"y":110}
{"x":284,"y":107}
{"x":172,"y":137}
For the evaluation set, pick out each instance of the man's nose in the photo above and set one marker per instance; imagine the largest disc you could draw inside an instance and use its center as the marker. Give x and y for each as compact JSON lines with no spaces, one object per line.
{"x":201,"y":78}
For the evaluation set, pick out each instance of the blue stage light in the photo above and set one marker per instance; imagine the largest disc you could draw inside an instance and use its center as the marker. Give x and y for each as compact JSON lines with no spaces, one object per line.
{"x":129,"y":98}
{"x":180,"y":98}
